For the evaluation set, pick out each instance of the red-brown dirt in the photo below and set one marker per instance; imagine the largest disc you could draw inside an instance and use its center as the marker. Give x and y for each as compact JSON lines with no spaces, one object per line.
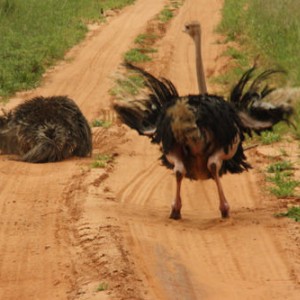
{"x":67,"y":228}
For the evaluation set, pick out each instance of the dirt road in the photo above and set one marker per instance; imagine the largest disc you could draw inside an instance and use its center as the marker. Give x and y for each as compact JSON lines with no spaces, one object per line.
{"x":67,"y":229}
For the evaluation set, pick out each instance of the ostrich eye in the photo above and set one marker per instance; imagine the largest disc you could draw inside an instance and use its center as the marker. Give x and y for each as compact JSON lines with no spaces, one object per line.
{"x":187,"y":27}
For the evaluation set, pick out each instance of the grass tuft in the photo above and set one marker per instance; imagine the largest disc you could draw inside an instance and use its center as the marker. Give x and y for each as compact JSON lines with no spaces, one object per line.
{"x":102,"y":160}
{"x":144,"y":38}
{"x":127,"y":86}
{"x":103,"y":286}
{"x":284,"y":184}
{"x":280,"y":166}
{"x":101,"y":123}
{"x":269,"y":137}
{"x":165,"y":15}
{"x":293,"y":213}
{"x":136,"y":55}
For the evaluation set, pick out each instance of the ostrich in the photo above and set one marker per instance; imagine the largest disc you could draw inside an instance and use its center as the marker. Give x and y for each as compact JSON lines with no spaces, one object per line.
{"x":201,"y":136}
{"x":45,"y":129}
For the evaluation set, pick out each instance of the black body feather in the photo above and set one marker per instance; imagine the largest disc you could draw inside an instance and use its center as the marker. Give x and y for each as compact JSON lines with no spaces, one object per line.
{"x":202,"y":124}
{"x":45,"y":130}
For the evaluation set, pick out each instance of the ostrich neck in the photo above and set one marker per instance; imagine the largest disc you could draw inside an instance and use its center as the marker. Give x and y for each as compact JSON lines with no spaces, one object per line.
{"x":199,"y":65}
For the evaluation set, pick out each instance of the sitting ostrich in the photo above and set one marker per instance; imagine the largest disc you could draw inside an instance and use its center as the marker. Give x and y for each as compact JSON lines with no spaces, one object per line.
{"x":45,"y":129}
{"x":201,"y":136}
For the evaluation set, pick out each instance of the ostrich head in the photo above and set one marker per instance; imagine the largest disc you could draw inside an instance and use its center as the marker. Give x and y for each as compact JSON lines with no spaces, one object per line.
{"x":193,"y":29}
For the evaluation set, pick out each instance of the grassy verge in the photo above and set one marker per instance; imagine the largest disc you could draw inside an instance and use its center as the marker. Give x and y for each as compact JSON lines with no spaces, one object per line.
{"x":35,"y":34}
{"x":293,"y":213}
{"x":267,"y":31}
{"x":281,"y":176}
{"x":270,"y":28}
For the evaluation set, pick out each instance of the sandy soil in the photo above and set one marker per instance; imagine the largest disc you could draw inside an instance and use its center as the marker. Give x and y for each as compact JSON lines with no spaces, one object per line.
{"x":67,"y":228}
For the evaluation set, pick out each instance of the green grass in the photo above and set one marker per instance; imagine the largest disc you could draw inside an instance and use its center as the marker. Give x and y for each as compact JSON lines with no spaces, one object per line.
{"x":176,"y":3}
{"x":282,"y":179}
{"x":296,"y":121}
{"x":269,"y":137}
{"x":129,"y":85}
{"x":102,"y":160}
{"x":136,"y":55}
{"x":271,"y":27}
{"x":283,"y":184}
{"x":101,"y":123}
{"x":35,"y":34}
{"x":145,"y":38}
{"x":232,"y":17}
{"x":165,"y":15}
{"x":293,"y":213}
{"x":280,"y":166}
{"x":103,"y":286}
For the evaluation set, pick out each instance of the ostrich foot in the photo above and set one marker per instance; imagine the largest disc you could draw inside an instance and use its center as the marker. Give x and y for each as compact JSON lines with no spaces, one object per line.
{"x":224,"y":212}
{"x":175,"y":214}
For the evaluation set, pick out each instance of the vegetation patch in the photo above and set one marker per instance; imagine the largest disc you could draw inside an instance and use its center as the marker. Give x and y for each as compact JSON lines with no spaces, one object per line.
{"x":137,"y":55}
{"x":269,"y":137}
{"x":103,"y":286}
{"x":265,"y":31}
{"x":283,"y":184}
{"x":166,"y":14}
{"x":35,"y":34}
{"x":146,"y":39}
{"x":281,"y":176}
{"x":280,"y":166}
{"x":129,"y":85}
{"x":102,"y":160}
{"x":296,"y":121}
{"x":101,"y":123}
{"x":293,"y":213}
{"x":268,"y":27}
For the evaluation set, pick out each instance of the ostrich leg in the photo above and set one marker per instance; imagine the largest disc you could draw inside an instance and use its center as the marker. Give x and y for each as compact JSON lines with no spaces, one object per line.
{"x":176,"y":207}
{"x":214,"y":164}
{"x":224,"y":206}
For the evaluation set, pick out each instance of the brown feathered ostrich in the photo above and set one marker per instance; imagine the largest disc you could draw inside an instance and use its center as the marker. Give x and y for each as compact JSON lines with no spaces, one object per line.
{"x":201,"y":136}
{"x":45,"y":129}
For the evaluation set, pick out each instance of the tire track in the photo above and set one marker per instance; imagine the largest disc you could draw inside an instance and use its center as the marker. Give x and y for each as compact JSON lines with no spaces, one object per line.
{"x":140,"y":188}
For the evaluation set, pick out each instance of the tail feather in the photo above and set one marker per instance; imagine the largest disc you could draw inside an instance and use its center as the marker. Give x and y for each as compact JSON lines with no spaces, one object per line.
{"x":256,"y":114}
